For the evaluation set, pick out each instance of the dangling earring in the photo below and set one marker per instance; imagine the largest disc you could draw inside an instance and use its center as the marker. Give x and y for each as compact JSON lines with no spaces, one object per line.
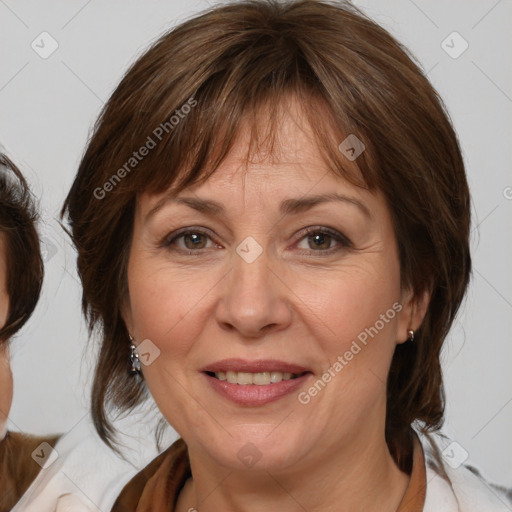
{"x":410,"y":335}
{"x":134,"y":358}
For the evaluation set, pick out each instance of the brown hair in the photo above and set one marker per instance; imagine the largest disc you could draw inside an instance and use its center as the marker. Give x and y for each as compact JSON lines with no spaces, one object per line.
{"x":351,"y":77}
{"x":25,"y":270}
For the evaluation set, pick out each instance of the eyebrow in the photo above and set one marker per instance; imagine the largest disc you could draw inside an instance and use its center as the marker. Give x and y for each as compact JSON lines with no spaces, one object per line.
{"x":289,"y":206}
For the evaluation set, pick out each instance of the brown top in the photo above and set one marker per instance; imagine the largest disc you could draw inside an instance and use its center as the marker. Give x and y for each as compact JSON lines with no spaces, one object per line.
{"x":414,"y":497}
{"x":17,"y":467}
{"x":157,"y":487}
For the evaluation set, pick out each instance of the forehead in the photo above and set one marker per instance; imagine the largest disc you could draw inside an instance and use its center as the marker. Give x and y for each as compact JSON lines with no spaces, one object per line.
{"x":276,"y":163}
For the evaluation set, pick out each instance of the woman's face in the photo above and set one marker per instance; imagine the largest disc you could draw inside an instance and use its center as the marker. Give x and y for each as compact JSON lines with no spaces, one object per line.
{"x":248,"y":289}
{"x":5,"y":368}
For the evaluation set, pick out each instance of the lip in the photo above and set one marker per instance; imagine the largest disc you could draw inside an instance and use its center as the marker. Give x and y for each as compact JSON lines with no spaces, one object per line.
{"x":257,"y":366}
{"x":254,"y":395}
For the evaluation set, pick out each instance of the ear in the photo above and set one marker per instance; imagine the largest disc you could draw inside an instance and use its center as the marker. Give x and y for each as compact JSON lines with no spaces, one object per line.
{"x":414,"y":309}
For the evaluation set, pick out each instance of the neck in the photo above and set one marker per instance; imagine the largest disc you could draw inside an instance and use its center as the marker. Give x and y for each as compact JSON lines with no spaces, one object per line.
{"x":359,"y":476}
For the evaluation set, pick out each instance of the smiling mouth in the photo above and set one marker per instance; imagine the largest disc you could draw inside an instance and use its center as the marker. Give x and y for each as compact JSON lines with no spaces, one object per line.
{"x":258,"y":379}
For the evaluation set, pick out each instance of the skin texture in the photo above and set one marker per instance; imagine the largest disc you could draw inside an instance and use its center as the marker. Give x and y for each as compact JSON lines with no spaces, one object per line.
{"x":291,"y":304}
{"x":5,"y":368}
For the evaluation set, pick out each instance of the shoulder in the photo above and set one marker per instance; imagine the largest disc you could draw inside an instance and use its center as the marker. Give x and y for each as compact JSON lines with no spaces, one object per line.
{"x":81,"y":456}
{"x":26,"y":442}
{"x":453,"y":485}
{"x":22,"y":453}
{"x":159,"y":481}
{"x":22,"y":457}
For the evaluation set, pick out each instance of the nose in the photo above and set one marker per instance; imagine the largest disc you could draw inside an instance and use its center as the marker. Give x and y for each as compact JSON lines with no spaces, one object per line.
{"x":254,"y":299}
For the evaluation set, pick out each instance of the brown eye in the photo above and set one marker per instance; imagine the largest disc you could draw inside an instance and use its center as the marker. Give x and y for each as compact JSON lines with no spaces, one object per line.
{"x":323,"y":241}
{"x":188,"y":240}
{"x":194,"y":240}
{"x":320,"y":241}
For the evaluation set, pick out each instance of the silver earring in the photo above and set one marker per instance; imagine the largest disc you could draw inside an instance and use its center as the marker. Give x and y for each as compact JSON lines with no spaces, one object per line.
{"x":410,"y":335}
{"x":134,"y":358}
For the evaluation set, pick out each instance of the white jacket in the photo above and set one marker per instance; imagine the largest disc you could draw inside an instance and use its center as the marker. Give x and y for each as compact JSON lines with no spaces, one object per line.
{"x":87,"y":476}
{"x":453,"y":486}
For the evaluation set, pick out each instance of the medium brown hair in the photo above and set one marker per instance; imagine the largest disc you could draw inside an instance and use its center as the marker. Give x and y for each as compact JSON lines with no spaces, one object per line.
{"x":351,"y":77}
{"x":24,"y":264}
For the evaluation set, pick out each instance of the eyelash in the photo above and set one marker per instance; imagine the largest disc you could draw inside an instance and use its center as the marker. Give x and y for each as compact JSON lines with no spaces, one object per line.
{"x":342,"y":240}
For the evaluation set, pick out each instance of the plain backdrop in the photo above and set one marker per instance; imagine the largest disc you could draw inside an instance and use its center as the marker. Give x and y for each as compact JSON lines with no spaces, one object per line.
{"x":48,"y":106}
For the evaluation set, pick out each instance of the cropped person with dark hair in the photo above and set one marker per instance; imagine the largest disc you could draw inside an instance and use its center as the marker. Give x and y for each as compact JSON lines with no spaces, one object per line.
{"x":21,"y":277}
{"x":272,"y":222}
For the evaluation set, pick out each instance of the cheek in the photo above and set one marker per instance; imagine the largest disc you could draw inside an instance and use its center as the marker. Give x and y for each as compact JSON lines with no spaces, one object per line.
{"x":165,"y":305}
{"x":353,"y":322}
{"x":164,"y":309}
{"x":348,"y":303}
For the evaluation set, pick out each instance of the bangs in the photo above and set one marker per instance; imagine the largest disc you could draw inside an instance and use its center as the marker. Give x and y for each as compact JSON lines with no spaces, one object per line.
{"x":189,"y":137}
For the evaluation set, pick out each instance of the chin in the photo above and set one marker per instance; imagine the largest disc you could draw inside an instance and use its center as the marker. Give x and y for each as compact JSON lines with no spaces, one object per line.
{"x":260,"y":447}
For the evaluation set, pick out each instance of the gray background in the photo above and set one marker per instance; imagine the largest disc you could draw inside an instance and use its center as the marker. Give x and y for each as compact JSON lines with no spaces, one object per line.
{"x":49,"y":105}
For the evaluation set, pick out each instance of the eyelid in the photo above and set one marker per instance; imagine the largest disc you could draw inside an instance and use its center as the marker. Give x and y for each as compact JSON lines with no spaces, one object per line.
{"x":170,"y":237}
{"x":342,"y":242}
{"x":334,"y":233}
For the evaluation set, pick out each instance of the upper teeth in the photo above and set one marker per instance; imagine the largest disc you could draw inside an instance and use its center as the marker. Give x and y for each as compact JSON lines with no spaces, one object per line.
{"x":260,"y":379}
